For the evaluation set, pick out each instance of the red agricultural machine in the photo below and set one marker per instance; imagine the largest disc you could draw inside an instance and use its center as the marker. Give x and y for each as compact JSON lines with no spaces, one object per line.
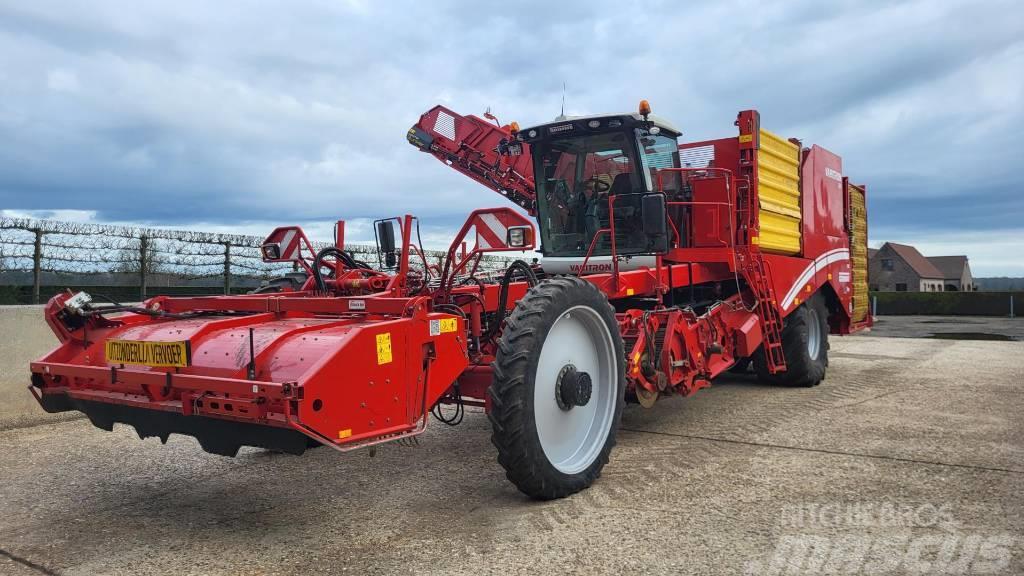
{"x":664,"y":265}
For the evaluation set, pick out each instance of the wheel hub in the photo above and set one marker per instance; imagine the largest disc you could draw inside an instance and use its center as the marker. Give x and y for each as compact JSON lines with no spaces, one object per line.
{"x":813,"y":334}
{"x":572,"y":427}
{"x":573,"y":388}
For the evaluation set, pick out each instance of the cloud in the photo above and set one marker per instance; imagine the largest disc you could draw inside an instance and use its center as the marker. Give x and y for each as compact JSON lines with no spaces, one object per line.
{"x":189,"y":114}
{"x":60,"y":80}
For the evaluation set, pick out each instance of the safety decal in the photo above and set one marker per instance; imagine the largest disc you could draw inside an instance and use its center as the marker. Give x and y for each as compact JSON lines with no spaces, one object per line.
{"x":384,"y":348}
{"x":443,"y":326}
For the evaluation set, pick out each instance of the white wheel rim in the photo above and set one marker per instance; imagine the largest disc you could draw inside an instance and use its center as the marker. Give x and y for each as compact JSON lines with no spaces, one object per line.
{"x":813,"y":334}
{"x":573,"y":439}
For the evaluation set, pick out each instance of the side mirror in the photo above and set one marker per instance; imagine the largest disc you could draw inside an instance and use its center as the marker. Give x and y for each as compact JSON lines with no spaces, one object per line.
{"x":655,"y":222}
{"x":386,"y":242}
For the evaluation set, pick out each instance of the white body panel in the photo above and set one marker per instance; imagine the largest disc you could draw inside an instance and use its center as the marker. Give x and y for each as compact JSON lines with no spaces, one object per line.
{"x":596,"y":264}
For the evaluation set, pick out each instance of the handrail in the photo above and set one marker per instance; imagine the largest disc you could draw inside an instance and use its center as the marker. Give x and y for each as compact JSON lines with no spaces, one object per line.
{"x":729,"y":187}
{"x":590,"y":250}
{"x":610,"y":230}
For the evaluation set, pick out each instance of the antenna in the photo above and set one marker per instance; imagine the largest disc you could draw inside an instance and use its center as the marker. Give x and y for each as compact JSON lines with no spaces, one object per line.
{"x":489,"y":116}
{"x":563,"y":98}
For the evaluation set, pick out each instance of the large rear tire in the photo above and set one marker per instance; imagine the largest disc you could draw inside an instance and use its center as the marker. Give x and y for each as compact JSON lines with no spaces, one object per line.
{"x":559,"y":388}
{"x":805,"y":346}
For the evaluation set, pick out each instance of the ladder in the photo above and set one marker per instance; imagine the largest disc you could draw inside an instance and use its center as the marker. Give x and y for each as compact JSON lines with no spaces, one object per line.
{"x":754,"y":268}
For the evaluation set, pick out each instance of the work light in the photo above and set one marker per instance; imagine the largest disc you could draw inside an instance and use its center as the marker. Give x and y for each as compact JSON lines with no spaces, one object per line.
{"x":518,"y":236}
{"x":271,"y":251}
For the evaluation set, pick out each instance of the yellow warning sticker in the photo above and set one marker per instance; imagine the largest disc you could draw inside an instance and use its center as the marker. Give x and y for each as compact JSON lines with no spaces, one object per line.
{"x":384,"y":348}
{"x":746,"y":138}
{"x":148,"y":353}
{"x":443,"y":326}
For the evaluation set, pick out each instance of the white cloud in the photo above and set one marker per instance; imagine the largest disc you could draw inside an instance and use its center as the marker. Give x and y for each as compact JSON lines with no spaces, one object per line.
{"x":60,"y":80}
{"x":66,"y":215}
{"x":204,"y":115}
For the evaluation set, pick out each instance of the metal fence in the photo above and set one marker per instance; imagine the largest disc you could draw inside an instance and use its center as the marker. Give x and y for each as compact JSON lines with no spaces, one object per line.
{"x":48,"y":255}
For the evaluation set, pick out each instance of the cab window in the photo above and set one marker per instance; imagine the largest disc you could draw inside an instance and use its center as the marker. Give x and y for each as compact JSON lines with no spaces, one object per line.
{"x":578,"y":176}
{"x":657,"y":152}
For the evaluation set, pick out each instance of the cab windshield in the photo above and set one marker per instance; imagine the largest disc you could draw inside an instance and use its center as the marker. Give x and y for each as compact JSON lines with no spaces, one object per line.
{"x":575,"y":177}
{"x":657,"y":152}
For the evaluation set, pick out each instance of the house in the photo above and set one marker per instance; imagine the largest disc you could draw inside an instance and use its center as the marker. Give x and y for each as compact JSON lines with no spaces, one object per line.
{"x":956,"y":273}
{"x":901,"y":268}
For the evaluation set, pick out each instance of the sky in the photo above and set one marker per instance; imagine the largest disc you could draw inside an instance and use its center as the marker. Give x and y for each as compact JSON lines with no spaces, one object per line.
{"x":241,"y":116}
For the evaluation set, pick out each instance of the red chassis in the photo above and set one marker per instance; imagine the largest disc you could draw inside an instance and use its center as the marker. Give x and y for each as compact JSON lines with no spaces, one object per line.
{"x":352,"y":367}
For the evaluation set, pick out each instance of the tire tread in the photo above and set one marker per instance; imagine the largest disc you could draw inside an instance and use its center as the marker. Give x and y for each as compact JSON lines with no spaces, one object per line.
{"x":513,"y":429}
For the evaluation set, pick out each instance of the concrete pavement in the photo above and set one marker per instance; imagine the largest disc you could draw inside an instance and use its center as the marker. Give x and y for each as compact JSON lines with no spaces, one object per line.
{"x":909,"y":446}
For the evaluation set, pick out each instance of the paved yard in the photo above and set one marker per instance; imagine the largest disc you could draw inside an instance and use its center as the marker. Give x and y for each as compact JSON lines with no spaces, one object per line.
{"x":954,"y":327}
{"x":910,"y":457}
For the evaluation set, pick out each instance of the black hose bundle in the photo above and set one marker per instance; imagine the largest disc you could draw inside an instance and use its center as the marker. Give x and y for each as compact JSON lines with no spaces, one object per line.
{"x":454,"y":397}
{"x":499,"y":315}
{"x":344,"y":257}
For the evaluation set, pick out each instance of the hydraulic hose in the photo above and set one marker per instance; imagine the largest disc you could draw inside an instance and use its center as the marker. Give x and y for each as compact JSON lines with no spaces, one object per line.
{"x":531,"y":279}
{"x":344,"y":257}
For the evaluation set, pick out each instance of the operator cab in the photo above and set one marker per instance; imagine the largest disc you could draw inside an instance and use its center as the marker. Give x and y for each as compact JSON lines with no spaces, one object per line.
{"x":587,"y":169}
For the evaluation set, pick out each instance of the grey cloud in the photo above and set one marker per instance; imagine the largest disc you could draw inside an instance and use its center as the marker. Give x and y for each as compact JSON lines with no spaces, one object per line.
{"x":211,"y":112}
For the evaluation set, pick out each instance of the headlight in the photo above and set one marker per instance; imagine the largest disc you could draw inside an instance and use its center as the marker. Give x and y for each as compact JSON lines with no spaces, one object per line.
{"x":271,"y":251}
{"x":518,"y":236}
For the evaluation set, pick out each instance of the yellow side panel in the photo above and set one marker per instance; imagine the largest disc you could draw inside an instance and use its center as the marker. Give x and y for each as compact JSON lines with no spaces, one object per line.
{"x":778,"y":184}
{"x":859,"y":252}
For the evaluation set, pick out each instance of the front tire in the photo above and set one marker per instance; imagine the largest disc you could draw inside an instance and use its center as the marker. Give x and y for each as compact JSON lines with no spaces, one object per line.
{"x":559,"y":388}
{"x":805,"y":346}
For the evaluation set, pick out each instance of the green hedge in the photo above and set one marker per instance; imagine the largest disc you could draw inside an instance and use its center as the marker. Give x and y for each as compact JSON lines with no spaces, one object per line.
{"x":948,"y":303}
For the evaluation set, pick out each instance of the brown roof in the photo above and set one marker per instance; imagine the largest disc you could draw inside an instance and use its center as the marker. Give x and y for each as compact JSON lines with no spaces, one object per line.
{"x":915,"y":260}
{"x":872,"y":252}
{"x":950,"y":266}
